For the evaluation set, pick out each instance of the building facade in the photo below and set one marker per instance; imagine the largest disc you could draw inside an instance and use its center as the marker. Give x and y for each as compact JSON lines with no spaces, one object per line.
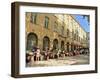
{"x":57,"y":31}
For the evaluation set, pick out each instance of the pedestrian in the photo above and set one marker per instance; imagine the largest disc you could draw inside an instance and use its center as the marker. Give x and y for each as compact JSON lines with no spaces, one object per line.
{"x":34,"y":48}
{"x":38,"y":55}
{"x":46,"y":55}
{"x":58,"y":53}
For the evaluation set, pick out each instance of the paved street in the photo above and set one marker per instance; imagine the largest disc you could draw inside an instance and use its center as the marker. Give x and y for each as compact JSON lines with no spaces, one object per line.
{"x":72,"y":60}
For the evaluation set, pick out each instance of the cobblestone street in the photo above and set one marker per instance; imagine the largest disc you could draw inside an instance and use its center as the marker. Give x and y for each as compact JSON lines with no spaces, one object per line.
{"x":72,"y":60}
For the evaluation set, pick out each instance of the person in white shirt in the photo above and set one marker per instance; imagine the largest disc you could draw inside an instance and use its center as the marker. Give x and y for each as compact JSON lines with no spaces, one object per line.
{"x":38,"y":55}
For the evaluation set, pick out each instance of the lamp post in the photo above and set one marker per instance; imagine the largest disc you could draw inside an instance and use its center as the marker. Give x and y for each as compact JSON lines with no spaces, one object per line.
{"x":86,"y":16}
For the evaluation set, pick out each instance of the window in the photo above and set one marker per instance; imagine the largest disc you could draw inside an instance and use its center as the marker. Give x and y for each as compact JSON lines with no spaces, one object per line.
{"x":27,"y":14}
{"x":46,"y":22}
{"x":62,"y":30}
{"x":77,"y":35}
{"x":33,"y":18}
{"x":73,"y":34}
{"x":67,"y":33}
{"x":55,"y":26}
{"x":79,"y":38}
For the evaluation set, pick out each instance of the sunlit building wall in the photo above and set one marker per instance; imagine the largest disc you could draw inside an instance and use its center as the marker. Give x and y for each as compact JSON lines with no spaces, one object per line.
{"x":57,"y":31}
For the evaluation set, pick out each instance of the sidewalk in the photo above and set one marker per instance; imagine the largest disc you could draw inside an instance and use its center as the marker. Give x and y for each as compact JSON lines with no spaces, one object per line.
{"x":73,"y":60}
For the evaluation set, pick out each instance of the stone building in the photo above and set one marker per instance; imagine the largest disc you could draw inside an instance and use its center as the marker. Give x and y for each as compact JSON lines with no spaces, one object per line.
{"x":57,"y":31}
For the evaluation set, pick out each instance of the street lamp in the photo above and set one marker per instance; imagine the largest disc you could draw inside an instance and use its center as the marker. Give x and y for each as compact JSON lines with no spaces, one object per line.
{"x":86,"y":16}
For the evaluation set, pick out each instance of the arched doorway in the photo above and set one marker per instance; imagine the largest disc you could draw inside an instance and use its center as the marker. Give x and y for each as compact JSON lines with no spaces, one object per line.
{"x":32,"y":41}
{"x":62,"y":45}
{"x":46,"y":42}
{"x":68,"y":46}
{"x":55,"y":44}
{"x":72,"y":47}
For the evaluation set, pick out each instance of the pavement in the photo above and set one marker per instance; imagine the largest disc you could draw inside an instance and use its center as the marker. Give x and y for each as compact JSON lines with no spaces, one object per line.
{"x":69,"y":60}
